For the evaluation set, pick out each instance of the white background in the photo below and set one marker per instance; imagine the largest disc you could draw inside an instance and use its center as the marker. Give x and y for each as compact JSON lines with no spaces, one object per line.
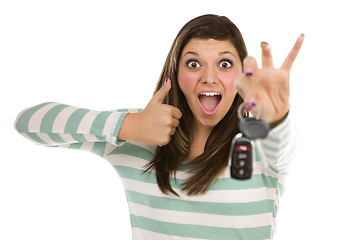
{"x":106,"y":55}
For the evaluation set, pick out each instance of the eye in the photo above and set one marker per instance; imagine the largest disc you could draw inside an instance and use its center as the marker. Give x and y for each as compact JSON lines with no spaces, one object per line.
{"x":192,"y":63}
{"x":225,"y":63}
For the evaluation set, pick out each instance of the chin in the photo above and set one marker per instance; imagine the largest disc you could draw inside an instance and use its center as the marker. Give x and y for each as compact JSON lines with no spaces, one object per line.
{"x":209,"y":122}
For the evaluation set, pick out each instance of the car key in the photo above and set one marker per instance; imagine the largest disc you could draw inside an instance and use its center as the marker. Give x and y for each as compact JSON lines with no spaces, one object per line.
{"x":251,"y":128}
{"x":241,"y":158}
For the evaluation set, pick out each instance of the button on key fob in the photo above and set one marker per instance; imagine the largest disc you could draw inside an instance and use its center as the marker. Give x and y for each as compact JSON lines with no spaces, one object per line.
{"x":241,"y":158}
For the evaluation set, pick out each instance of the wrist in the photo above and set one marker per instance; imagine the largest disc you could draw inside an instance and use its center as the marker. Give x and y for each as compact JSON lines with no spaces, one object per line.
{"x":278,"y":122}
{"x":127,"y":131}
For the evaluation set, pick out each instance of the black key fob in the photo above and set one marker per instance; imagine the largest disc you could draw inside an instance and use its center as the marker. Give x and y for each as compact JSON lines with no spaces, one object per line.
{"x":241,"y":158}
{"x":254,"y":128}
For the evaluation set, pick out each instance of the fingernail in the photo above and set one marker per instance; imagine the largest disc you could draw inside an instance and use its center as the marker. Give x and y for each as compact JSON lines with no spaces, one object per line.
{"x":248,"y":73}
{"x":166,"y":79}
{"x":250,"y":105}
{"x":303,"y":35}
{"x":265,"y":45}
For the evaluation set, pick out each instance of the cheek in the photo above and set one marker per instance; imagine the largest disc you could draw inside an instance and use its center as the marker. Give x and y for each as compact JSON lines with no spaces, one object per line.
{"x":229,"y":83}
{"x":187,"y":81}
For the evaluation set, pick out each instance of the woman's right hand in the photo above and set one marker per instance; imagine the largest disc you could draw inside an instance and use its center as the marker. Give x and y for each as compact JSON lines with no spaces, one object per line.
{"x":155,"y":124}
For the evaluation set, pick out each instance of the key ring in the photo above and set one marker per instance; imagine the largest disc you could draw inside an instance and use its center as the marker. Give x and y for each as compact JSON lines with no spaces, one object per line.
{"x":252,"y":127}
{"x":245,"y":109}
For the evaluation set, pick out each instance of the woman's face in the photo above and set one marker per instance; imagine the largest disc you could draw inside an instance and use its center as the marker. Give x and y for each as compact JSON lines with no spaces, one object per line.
{"x":207,"y":71}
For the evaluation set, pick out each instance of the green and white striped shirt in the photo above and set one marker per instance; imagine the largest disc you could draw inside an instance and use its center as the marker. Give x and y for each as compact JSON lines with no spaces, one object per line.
{"x":231,"y":209}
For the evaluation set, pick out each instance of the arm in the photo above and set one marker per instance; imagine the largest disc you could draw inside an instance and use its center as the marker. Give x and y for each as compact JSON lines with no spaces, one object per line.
{"x":54,"y":124}
{"x":279,"y":147}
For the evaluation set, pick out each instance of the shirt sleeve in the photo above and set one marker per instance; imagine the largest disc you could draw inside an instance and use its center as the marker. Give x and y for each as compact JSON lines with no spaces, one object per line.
{"x":55,"y":124}
{"x":279,"y":148}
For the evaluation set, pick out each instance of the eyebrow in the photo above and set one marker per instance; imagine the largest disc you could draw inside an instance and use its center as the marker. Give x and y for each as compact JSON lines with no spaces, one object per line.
{"x":220,"y":54}
{"x":193,"y":53}
{"x":226,"y":52}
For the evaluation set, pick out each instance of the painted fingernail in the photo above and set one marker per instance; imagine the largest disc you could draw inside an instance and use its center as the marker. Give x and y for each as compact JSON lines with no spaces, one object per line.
{"x":248,"y":73}
{"x":166,"y":79}
{"x":265,"y":45}
{"x":250,"y":105}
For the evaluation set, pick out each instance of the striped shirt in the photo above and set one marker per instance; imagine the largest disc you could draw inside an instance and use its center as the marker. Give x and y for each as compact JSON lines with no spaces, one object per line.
{"x":230,"y":209}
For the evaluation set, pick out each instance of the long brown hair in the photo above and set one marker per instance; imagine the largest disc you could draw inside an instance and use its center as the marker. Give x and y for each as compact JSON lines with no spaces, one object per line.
{"x":205,"y":168}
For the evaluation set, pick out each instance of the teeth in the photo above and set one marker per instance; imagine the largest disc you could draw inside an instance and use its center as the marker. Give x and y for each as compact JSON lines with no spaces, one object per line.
{"x":210,"y":94}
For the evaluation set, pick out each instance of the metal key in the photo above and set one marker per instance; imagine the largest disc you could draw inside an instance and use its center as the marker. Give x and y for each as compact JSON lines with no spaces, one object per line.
{"x":240,"y":158}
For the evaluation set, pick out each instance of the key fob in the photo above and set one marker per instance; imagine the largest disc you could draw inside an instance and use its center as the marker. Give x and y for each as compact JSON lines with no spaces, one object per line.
{"x":241,"y":156}
{"x":254,"y":128}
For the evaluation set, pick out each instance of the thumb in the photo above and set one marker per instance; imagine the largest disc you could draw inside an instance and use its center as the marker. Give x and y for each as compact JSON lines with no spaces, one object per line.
{"x":163,"y":91}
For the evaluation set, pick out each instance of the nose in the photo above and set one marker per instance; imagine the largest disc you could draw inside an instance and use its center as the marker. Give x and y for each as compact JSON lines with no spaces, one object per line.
{"x":210,"y":76}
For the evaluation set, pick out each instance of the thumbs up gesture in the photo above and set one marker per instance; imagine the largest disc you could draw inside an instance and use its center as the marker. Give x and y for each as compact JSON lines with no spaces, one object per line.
{"x":155,"y":124}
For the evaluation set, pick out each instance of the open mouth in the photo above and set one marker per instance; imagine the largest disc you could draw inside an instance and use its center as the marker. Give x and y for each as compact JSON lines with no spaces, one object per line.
{"x":209,"y":102}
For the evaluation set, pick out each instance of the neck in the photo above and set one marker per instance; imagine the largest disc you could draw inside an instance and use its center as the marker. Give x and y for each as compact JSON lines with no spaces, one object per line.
{"x":199,"y":137}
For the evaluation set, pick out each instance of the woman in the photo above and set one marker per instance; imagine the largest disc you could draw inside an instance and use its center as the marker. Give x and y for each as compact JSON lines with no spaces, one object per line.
{"x":172,"y":156}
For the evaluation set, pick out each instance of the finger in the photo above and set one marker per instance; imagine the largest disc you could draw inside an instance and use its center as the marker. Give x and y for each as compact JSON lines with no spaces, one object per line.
{"x":163,"y":91}
{"x":176,"y":113}
{"x":246,"y":85}
{"x":250,"y":66}
{"x":173,"y":130}
{"x":247,"y":90}
{"x":267,"y":60}
{"x":175,"y":123}
{"x":293,"y":53}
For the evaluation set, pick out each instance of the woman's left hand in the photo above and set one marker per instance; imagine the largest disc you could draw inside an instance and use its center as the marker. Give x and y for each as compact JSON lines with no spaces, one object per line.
{"x":268,"y":87}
